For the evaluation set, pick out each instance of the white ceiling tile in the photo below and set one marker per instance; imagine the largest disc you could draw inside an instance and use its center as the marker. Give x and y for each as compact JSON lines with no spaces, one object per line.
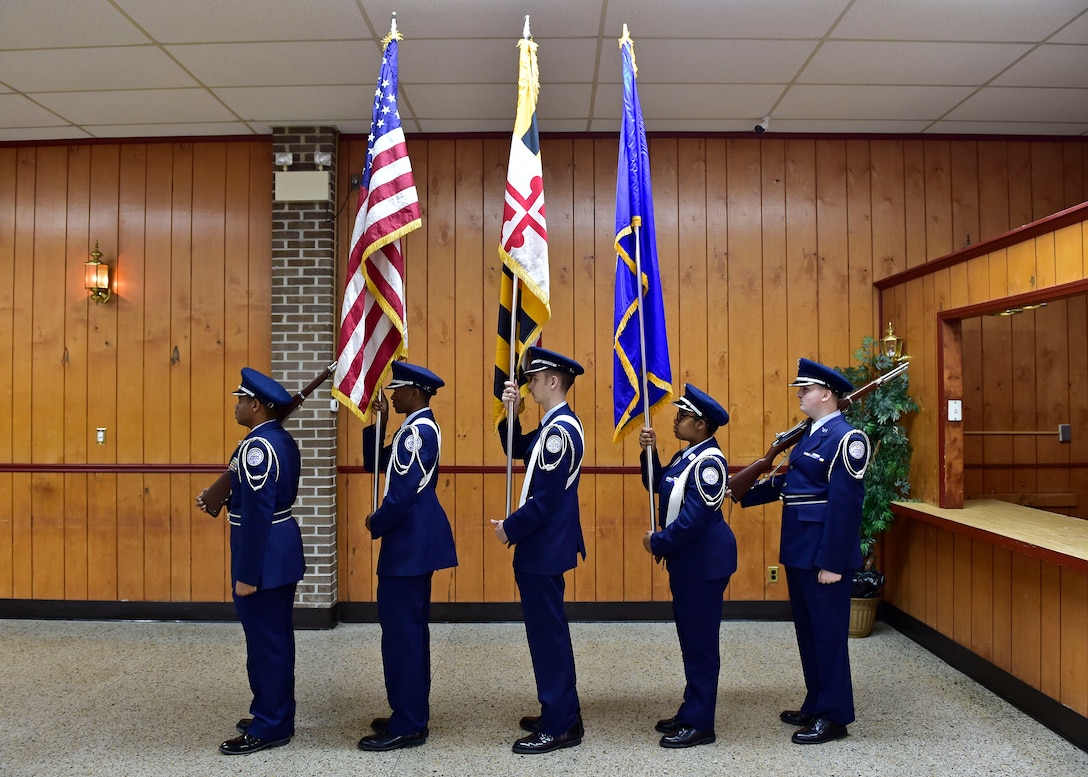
{"x":298,"y":103}
{"x":279,"y":64}
{"x":31,"y":24}
{"x":916,"y":63}
{"x":965,"y":20}
{"x":1008,"y":128}
{"x":868,"y":102}
{"x":709,"y":61}
{"x":169,"y":130}
{"x":461,"y":126}
{"x":1013,"y":104}
{"x":210,"y":21}
{"x":707,"y":65}
{"x":17,"y":110}
{"x":845,"y":126}
{"x":560,"y":101}
{"x":673,"y":103}
{"x":492,"y":61}
{"x":501,"y":19}
{"x":144,"y":106}
{"x":68,"y":70}
{"x":1074,"y":32}
{"x":44,"y":133}
{"x":1049,"y":65}
{"x":717,"y":19}
{"x":431,"y":101}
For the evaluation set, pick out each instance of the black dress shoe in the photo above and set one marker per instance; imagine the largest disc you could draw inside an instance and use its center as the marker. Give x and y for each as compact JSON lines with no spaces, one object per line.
{"x":245,"y":744}
{"x":378,"y":742}
{"x":530,"y":723}
{"x":819,"y":731}
{"x":545,"y":743}
{"x":686,"y":736}
{"x":379,"y":725}
{"x":242,"y":726}
{"x":796,"y":717}
{"x":668,"y":725}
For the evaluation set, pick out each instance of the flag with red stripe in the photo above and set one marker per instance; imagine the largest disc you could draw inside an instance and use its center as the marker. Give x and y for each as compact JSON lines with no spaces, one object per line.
{"x":373,"y":325}
{"x":523,"y":246}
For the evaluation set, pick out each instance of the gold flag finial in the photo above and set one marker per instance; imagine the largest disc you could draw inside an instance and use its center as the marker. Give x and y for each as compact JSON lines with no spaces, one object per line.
{"x":394,"y":33}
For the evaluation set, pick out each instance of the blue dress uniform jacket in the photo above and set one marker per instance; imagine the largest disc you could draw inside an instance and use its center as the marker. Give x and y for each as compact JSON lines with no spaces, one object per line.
{"x":266,"y":551}
{"x":698,"y":544}
{"x":416,"y":540}
{"x":547,"y":536}
{"x":700,"y":553}
{"x":546,"y":529}
{"x":415,"y":532}
{"x":821,"y":494}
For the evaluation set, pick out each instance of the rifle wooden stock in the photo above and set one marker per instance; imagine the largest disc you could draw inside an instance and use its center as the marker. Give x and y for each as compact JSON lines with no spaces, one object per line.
{"x":740,"y":482}
{"x":217,"y":494}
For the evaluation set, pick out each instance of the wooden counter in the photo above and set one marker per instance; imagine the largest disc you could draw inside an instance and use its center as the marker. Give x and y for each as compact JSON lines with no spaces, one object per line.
{"x":1059,"y":539}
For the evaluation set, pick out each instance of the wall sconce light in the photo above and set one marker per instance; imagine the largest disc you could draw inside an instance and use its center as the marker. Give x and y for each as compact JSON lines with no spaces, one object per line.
{"x":283,"y":159}
{"x":892,"y":345}
{"x":96,"y":276}
{"x":322,"y":158}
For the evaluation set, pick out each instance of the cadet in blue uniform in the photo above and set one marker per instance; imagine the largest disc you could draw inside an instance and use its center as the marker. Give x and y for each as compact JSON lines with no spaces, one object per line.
{"x":266,"y":560}
{"x":546,"y":534}
{"x":700,"y":553}
{"x":821,"y":494}
{"x":416,"y":540}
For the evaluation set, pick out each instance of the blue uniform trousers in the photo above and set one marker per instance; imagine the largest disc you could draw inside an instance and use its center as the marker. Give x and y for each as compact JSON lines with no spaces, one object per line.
{"x":697,"y":608}
{"x":404,"y":612}
{"x":270,"y":649}
{"x":548,"y":634}
{"x":821,"y":616}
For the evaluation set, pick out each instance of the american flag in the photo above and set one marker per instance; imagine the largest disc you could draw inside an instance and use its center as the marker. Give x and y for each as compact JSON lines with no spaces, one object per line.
{"x":373,"y":329}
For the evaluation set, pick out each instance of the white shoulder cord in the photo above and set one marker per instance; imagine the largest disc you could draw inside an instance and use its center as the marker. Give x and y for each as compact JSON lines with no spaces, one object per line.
{"x":676,"y":496}
{"x":414,"y":445}
{"x":534,"y":459}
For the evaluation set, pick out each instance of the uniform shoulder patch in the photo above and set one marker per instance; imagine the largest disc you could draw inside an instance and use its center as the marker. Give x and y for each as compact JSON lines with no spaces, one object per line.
{"x":710,"y":479}
{"x":554,"y":447}
{"x":257,"y":460}
{"x":855,"y":448}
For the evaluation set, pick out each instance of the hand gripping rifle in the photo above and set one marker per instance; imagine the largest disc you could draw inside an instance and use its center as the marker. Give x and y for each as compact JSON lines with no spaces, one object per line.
{"x":216,"y":495}
{"x":740,"y":482}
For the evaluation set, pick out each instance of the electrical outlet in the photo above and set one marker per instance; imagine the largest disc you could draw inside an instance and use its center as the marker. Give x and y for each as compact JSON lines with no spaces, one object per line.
{"x":772,"y":574}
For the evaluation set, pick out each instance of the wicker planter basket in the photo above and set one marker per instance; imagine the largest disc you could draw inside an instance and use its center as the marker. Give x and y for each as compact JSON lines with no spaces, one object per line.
{"x":862,"y":615}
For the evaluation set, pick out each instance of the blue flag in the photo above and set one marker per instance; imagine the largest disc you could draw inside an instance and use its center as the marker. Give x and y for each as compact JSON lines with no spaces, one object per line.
{"x":635,"y":223}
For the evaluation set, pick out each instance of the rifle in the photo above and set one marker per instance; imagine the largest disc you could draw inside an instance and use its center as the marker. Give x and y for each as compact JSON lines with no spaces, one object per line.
{"x":212,"y":498}
{"x":740,"y":482}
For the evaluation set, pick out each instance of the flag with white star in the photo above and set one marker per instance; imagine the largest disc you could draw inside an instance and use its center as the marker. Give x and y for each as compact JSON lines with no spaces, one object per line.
{"x":373,"y":325}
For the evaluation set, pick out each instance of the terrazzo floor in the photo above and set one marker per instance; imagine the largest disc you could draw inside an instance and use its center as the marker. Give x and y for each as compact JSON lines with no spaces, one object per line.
{"x":133,"y":699}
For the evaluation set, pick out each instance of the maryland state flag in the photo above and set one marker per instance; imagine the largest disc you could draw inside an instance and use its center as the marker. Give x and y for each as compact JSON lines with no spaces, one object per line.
{"x":523,"y":246}
{"x":636,"y":354}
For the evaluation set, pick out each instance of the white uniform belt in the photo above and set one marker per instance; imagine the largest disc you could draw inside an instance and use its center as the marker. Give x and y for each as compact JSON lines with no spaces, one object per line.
{"x":234,"y":519}
{"x":801,"y":499}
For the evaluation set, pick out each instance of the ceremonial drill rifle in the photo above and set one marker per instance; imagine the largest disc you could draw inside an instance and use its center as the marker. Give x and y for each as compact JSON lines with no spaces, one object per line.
{"x":216,"y":495}
{"x":740,"y":482}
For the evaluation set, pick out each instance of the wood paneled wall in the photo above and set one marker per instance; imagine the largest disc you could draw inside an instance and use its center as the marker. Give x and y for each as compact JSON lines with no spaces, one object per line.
{"x":1027,"y":616}
{"x":768,"y":247}
{"x":1026,"y":360}
{"x":1026,"y":373}
{"x":186,"y":230}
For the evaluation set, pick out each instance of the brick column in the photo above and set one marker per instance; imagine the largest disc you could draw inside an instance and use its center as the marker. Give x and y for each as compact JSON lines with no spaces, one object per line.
{"x":304,"y":325}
